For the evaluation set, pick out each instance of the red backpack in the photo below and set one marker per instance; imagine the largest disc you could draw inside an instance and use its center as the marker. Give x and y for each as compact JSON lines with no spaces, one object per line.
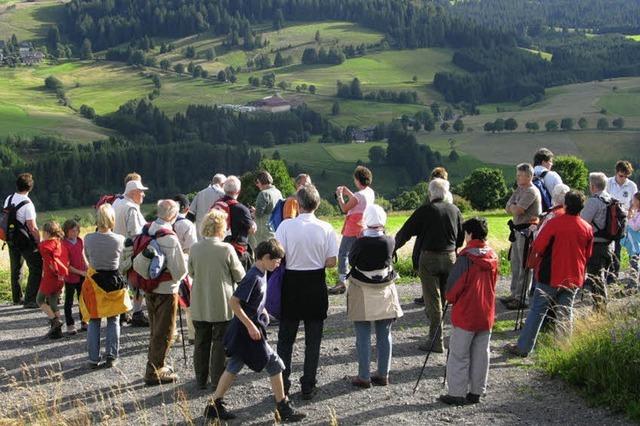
{"x":615,"y":223}
{"x":109,"y":198}
{"x":140,"y":243}
{"x":225,"y":206}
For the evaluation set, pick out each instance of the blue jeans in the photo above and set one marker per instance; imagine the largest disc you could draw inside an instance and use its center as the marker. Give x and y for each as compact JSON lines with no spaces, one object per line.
{"x":543,"y":298}
{"x":113,"y":339}
{"x":343,"y":256}
{"x":384,"y":343}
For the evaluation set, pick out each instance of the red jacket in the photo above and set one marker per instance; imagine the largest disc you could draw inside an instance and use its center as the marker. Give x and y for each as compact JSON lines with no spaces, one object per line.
{"x":471,"y":287}
{"x":565,"y":245}
{"x":55,"y":262}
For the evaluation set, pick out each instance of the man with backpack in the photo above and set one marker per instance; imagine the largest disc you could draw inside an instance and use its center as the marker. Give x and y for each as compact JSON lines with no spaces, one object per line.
{"x":161,"y":291}
{"x":543,"y":177}
{"x":22,"y":237}
{"x":598,"y":212}
{"x":266,"y":201}
{"x":202,"y":202}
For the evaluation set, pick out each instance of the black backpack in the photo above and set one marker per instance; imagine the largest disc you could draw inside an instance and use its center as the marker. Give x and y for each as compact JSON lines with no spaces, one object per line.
{"x":12,"y":231}
{"x":615,"y":222}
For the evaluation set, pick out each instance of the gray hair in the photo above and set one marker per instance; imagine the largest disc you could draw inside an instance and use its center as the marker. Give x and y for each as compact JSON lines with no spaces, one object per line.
{"x":168,"y":209}
{"x":525,"y":167}
{"x":232,"y":186}
{"x":308,"y":198}
{"x":218,"y":179}
{"x":301,"y":177}
{"x":598,"y":180}
{"x":438,"y":189}
{"x":559,"y":191}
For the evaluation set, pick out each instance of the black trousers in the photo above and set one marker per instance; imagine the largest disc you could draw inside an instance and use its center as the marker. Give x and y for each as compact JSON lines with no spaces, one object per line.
{"x":598,"y":268}
{"x":70,"y":289}
{"x":208,"y":351}
{"x":17,"y":258}
{"x":312,"y":338}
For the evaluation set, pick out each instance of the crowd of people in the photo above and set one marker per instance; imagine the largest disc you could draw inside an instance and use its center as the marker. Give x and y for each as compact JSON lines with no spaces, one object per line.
{"x":222,"y":262}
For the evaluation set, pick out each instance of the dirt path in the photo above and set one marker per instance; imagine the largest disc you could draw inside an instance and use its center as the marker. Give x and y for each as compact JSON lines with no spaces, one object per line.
{"x":57,"y":378}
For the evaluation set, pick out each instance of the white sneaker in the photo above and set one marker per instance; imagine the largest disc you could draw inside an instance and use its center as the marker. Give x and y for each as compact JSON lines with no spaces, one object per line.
{"x":71,"y":330}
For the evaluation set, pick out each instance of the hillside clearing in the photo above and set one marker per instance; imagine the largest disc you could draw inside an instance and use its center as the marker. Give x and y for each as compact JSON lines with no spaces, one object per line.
{"x":28,"y":20}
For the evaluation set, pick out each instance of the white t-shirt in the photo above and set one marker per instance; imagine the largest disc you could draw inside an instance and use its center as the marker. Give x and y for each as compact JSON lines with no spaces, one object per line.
{"x":623,"y":193}
{"x":26,"y":212}
{"x":308,"y":242}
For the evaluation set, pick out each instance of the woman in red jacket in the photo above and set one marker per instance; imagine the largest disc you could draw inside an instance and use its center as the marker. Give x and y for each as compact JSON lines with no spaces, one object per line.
{"x":471,"y":289}
{"x":55,"y":267}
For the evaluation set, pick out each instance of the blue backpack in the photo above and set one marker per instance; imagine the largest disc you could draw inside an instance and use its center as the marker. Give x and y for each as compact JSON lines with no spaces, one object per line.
{"x":277,"y":215}
{"x":538,"y":182}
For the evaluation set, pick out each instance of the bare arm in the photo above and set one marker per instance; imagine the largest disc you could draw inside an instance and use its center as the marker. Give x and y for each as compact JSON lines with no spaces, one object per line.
{"x":33,"y":228}
{"x":348,"y":205}
{"x":331,"y":262}
{"x":515,"y":210}
{"x":254,"y":333}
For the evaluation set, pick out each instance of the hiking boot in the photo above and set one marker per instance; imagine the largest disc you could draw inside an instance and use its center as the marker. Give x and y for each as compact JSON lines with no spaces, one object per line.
{"x":286,"y":413}
{"x":452,"y":400}
{"x":379,"y":381}
{"x":473,"y":398}
{"x":217,"y":410}
{"x":95,"y":365}
{"x":162,"y":377}
{"x":71,"y":330}
{"x":339,"y":288}
{"x":360,"y":383}
{"x":139,"y":319}
{"x":513,"y":349}
{"x":111,"y":362}
{"x":55,"y":332}
{"x":419,"y":301}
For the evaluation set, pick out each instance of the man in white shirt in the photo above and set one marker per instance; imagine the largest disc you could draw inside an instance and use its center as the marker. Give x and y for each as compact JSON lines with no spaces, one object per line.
{"x":202,"y":202}
{"x":24,"y":248}
{"x":310,"y":245}
{"x":542,"y":164}
{"x":129,"y":223}
{"x":622,"y":189}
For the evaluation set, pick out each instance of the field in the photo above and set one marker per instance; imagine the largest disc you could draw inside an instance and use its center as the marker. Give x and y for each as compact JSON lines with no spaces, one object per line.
{"x":622,"y":102}
{"x":544,"y":55}
{"x":28,"y":20}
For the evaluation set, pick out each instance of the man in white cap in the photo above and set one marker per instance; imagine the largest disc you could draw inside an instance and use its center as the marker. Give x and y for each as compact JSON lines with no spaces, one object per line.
{"x":129,"y":223}
{"x":204,"y":200}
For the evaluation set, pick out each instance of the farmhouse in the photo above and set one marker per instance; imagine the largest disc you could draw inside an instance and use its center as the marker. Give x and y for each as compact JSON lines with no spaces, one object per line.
{"x":24,"y":48}
{"x":31,"y":58}
{"x":272,"y":104}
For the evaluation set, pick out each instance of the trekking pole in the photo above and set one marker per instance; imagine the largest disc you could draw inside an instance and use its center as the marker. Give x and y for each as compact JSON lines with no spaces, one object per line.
{"x":444,"y":378}
{"x":433,"y":340}
{"x":184,"y":349}
{"x":525,"y":280}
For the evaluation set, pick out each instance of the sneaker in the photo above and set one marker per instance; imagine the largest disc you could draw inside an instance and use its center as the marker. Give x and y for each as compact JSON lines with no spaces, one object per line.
{"x":379,"y":381}
{"x":162,"y":377}
{"x":111,"y":362}
{"x":71,"y":330}
{"x":286,"y":413}
{"x":84,"y":326}
{"x":125,"y":319}
{"x":139,"y":319}
{"x":360,"y":383}
{"x":473,"y":398}
{"x":95,"y":365}
{"x":452,"y":400}
{"x":217,"y":410}
{"x":419,"y":301}
{"x":512,"y":349}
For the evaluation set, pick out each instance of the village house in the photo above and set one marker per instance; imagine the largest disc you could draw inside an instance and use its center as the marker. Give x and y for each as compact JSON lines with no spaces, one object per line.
{"x":273,"y":104}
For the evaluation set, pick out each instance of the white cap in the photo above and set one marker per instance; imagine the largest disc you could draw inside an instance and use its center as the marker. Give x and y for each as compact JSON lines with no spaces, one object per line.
{"x":374,"y":216}
{"x":134,"y":184}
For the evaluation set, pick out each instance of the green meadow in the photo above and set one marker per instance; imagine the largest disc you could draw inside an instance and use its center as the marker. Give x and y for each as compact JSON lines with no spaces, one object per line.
{"x":28,"y":20}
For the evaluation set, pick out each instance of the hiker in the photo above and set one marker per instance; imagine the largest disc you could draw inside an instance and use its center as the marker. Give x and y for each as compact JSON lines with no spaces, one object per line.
{"x":525,"y":205}
{"x":215,"y":268}
{"x":471,"y":289}
{"x":595,"y":213}
{"x":246,"y":338}
{"x":291,"y":208}
{"x":265,"y":202}
{"x":162,"y":302}
{"x":372,"y":298}
{"x":104,"y":291}
{"x":354,"y":207}
{"x":24,"y":247}
{"x":204,"y":200}
{"x":542,"y":164}
{"x":129,"y":223}
{"x":622,"y":188}
{"x":118,"y":198}
{"x":310,"y":246}
{"x":631,"y":240}
{"x":240,"y":224}
{"x":77,"y":271}
{"x":564,"y":247}
{"x":557,"y":200}
{"x":437,"y":226}
{"x":55,"y":266}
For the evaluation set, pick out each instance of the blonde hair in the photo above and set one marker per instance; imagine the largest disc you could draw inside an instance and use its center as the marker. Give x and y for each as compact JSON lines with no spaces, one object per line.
{"x":214,"y":224}
{"x":132,"y":176}
{"x":53,"y":229}
{"x":106,"y":216}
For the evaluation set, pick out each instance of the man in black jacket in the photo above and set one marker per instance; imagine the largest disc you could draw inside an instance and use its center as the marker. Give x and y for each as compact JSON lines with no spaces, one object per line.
{"x":438,"y":228}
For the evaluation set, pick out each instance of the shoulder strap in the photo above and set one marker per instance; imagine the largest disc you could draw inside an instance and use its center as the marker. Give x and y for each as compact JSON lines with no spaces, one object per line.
{"x":162,"y":233}
{"x":21,"y":204}
{"x":543,"y":174}
{"x":9,"y":200}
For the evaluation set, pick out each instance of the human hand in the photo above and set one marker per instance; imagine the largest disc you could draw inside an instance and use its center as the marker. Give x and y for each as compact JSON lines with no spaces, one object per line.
{"x":254,"y":333}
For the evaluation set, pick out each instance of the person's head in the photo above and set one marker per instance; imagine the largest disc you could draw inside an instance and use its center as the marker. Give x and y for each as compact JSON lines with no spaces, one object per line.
{"x":263,"y":179}
{"x":524,"y":174}
{"x":544,"y":158}
{"x":362,"y":177}
{"x":375,"y":217}
{"x":597,"y":182}
{"x":105,"y":217}
{"x":623,"y":171}
{"x":438,"y":188}
{"x":573,"y":202}
{"x":301,"y":180}
{"x":135,"y":191}
{"x":183,"y":202}
{"x":52,"y":229}
{"x":559,"y":191}
{"x":218,"y":179}
{"x":635,"y":201}
{"x":168,"y":210}
{"x":232,"y":186}
{"x":308,"y":198}
{"x":71,"y":229}
{"x":214,"y":224}
{"x":440,"y":173}
{"x":132,"y":176}
{"x":269,"y":254}
{"x":475,"y":228}
{"x":24,"y":182}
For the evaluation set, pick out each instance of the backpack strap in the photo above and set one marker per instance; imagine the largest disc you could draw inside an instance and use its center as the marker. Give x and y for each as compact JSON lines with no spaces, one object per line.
{"x":543,"y":174}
